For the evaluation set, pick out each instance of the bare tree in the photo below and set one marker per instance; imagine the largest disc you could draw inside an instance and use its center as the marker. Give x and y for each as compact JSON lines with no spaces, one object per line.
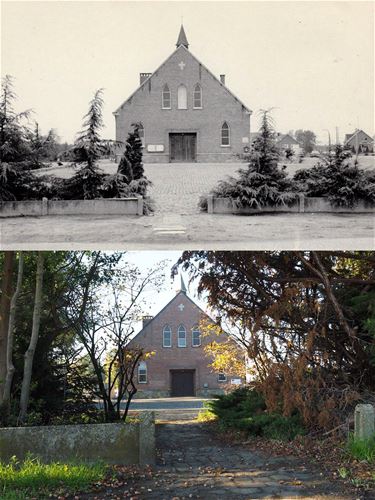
{"x":105,"y":331}
{"x":29,"y":355}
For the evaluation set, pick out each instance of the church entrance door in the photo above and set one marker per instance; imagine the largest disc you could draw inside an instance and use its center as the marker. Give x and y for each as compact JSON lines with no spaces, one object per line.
{"x":182,"y":147}
{"x":182,"y":383}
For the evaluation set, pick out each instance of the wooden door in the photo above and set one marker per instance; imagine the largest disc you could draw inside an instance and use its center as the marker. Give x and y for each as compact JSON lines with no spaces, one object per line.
{"x":182,"y":147}
{"x":182,"y":383}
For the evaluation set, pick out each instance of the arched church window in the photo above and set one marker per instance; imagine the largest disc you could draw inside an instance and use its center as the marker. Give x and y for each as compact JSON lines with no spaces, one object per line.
{"x":195,"y":337}
{"x":142,"y":373}
{"x":141,"y":133}
{"x":197,"y":96}
{"x":182,"y":97}
{"x":166,"y":98}
{"x":167,"y":336}
{"x":181,"y":336}
{"x":225,"y":134}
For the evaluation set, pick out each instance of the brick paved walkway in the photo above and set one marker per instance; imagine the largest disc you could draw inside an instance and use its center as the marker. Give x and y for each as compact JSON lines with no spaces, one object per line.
{"x":193,"y":464}
{"x":177,"y":187}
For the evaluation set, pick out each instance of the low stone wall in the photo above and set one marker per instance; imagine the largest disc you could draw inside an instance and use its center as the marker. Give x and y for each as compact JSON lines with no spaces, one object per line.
{"x":106,"y":206}
{"x":119,"y":443}
{"x":304,"y":204}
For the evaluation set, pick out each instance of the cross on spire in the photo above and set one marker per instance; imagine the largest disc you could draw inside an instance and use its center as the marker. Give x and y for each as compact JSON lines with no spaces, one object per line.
{"x":182,"y":40}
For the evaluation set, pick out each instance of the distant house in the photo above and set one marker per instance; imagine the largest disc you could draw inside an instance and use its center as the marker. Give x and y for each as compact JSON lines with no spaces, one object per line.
{"x":286,"y":141}
{"x":359,"y":140}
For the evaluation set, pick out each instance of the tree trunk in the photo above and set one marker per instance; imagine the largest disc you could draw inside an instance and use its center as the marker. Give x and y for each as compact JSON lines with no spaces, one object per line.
{"x":12,"y":319}
{"x":6,"y":293}
{"x":29,"y":355}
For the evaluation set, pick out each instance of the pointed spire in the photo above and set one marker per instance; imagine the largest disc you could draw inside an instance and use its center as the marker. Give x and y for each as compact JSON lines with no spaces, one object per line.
{"x":182,"y":286}
{"x":182,"y":40}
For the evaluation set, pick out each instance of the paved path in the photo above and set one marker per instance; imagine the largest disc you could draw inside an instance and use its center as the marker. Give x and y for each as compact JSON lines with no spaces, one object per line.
{"x":193,"y":464}
{"x":177,"y":223}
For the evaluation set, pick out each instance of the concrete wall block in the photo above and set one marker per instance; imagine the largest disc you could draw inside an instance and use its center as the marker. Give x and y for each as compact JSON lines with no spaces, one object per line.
{"x":112,"y":443}
{"x":364,"y":421}
{"x":113,"y":206}
{"x":303,"y":205}
{"x":147,"y":438}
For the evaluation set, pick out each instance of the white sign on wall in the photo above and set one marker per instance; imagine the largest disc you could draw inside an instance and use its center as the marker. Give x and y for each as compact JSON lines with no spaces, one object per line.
{"x":245,"y":140}
{"x":155,"y":148}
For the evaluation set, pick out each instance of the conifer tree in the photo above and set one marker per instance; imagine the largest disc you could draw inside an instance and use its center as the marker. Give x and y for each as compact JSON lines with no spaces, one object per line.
{"x":87,"y":182}
{"x":262,"y":183}
{"x":131,"y":165}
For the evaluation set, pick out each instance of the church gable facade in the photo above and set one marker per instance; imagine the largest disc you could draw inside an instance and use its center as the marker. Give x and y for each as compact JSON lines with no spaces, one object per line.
{"x":179,"y":366}
{"x":186,"y":113}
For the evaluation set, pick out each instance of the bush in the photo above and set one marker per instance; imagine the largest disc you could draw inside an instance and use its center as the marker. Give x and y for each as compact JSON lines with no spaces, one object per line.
{"x":244,"y":410}
{"x":17,"y":184}
{"x":337,"y":179}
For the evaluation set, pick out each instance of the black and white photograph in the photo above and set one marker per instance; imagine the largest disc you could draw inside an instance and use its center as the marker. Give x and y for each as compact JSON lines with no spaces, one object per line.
{"x":222,"y":125}
{"x":187,"y":250}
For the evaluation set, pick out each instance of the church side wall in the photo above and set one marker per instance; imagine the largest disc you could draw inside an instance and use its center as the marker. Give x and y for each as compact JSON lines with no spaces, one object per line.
{"x":218,"y":106}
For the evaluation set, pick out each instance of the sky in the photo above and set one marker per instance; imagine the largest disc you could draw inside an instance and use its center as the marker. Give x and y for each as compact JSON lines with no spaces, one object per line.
{"x":156,"y":301}
{"x":313,"y":62}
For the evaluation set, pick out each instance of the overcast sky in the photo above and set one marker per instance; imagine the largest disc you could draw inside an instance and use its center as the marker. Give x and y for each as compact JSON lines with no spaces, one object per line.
{"x":312,"y":61}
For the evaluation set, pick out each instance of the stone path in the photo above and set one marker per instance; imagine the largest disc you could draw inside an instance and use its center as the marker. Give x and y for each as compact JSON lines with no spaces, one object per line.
{"x":192,"y":463}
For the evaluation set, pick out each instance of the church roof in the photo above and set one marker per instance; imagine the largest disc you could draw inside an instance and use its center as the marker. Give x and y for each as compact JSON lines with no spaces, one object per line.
{"x":182,"y":40}
{"x":165,"y":307}
{"x":182,"y":47}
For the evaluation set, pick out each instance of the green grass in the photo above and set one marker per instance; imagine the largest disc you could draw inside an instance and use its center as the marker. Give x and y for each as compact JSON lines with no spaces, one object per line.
{"x":362,"y":449}
{"x":19,"y":480}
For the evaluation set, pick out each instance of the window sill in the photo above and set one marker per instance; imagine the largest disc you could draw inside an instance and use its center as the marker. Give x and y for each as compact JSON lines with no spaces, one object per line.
{"x":167,"y":346}
{"x":196,"y":345}
{"x":166,"y":108}
{"x":225,"y":145}
{"x":199,"y":108}
{"x":181,"y":346}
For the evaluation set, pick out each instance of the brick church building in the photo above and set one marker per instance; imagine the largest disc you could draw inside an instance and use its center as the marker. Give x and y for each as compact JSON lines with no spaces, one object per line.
{"x":186,"y":114}
{"x":180,"y":366}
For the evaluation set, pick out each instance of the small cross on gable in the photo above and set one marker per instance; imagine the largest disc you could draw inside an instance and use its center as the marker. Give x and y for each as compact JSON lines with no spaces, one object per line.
{"x":182,"y":65}
{"x":181,"y":307}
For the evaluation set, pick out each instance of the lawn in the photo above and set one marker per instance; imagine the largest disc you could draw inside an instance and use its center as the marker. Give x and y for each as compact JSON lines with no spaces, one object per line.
{"x":20,"y":480}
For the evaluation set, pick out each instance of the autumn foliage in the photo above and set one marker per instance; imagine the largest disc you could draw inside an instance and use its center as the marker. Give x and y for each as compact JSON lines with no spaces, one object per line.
{"x":306,"y":321}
